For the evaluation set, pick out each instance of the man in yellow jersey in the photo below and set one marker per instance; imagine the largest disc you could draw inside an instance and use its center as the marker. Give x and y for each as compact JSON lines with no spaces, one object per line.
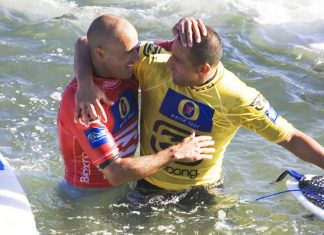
{"x":189,"y":89}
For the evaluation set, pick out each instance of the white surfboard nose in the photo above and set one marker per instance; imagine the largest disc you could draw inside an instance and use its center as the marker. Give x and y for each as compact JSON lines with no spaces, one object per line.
{"x":16,"y":216}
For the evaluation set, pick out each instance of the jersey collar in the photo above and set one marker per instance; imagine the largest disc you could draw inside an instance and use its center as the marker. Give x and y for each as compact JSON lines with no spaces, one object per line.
{"x":217,"y":77}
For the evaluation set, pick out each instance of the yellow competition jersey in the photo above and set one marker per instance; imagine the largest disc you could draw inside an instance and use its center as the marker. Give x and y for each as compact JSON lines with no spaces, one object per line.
{"x":218,"y":108}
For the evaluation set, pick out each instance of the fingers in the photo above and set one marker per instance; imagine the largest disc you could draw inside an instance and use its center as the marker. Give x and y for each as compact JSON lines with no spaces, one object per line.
{"x":203,"y":138}
{"x":102,"y":112}
{"x":205,"y":144}
{"x":92,"y":111}
{"x":84,"y":119}
{"x":189,"y":29}
{"x":202,"y":27}
{"x":182,"y":34}
{"x":202,"y":156}
{"x":196,"y":33}
{"x":77,"y":111}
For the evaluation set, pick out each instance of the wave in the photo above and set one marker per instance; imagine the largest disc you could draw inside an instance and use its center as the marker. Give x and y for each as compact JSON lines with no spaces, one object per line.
{"x":265,"y":12}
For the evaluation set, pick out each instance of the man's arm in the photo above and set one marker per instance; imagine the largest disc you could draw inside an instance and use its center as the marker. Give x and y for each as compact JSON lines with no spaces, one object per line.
{"x":88,"y":95}
{"x":305,"y":148}
{"x":124,"y":170}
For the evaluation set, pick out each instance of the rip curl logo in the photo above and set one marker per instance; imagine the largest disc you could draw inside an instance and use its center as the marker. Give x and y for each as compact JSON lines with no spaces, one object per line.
{"x":188,"y":109}
{"x":124,"y":107}
{"x":259,"y":102}
{"x":110,"y":84}
{"x":97,"y":136}
{"x":151,"y":49}
{"x":192,"y":174}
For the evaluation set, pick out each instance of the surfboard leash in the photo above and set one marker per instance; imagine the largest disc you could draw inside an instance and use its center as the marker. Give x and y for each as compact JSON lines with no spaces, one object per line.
{"x":314,"y":188}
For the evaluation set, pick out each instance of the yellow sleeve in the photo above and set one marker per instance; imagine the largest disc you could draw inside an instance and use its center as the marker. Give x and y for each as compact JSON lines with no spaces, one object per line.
{"x":151,"y":57}
{"x":258,"y":115}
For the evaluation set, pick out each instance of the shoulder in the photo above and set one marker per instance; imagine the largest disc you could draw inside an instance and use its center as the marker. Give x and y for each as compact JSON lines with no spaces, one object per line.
{"x":234,"y":89}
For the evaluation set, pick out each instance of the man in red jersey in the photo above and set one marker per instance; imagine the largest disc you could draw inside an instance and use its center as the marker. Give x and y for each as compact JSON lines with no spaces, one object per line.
{"x":98,"y":155}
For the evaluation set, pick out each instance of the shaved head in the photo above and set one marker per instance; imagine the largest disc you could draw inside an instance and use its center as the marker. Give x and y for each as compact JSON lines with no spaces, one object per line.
{"x":107,"y":30}
{"x":112,"y":42}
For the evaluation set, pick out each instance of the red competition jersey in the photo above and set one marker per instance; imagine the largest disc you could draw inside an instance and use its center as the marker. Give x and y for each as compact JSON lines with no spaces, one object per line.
{"x":88,"y":149}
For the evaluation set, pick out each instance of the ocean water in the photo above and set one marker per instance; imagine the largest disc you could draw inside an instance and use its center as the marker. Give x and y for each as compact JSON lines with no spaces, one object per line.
{"x":275,"y":46}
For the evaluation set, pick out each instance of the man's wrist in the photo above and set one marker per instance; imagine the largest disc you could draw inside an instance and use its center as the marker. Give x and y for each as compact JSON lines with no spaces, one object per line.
{"x":85,"y":82}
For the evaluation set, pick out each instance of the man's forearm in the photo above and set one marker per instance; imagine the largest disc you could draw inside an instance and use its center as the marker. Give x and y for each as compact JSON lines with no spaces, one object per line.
{"x":135,"y":168}
{"x":82,"y":62}
{"x":305,"y":148}
{"x":128,"y":169}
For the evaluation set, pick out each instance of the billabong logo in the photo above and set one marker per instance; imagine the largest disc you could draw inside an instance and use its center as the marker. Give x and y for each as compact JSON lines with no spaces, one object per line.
{"x":188,"y":109}
{"x":85,"y":175}
{"x":124,"y":107}
{"x":192,"y":174}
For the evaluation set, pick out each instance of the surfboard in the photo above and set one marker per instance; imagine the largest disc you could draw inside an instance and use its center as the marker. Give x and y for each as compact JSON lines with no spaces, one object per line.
{"x":16,"y":216}
{"x":311,"y":200}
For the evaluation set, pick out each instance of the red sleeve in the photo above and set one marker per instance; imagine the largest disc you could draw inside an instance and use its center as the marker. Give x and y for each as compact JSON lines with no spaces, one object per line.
{"x":97,"y":142}
{"x":165,"y":44}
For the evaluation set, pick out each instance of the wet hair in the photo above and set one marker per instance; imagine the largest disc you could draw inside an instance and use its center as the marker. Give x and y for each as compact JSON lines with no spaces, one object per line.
{"x":209,"y":50}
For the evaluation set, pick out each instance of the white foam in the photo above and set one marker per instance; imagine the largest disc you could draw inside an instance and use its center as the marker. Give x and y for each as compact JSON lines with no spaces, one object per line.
{"x":38,"y":10}
{"x":317,"y":46}
{"x":271,"y":12}
{"x":275,"y":12}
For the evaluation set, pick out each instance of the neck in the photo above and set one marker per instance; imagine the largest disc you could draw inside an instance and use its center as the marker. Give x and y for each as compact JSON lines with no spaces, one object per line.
{"x":98,"y":71}
{"x":210,"y":76}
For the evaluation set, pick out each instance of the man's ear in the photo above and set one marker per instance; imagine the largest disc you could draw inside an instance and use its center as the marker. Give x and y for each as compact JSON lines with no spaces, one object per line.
{"x":204,"y":69}
{"x":99,"y":52}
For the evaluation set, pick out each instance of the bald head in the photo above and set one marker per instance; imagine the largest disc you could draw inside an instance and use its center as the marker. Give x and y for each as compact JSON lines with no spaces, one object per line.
{"x":112,"y":41}
{"x":107,"y":30}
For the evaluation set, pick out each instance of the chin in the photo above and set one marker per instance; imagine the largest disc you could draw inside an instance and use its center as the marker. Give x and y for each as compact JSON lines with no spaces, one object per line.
{"x":179,"y":83}
{"x":127,"y":76}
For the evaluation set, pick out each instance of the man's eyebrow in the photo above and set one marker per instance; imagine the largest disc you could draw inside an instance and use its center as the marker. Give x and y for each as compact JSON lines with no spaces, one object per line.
{"x":134,"y":48}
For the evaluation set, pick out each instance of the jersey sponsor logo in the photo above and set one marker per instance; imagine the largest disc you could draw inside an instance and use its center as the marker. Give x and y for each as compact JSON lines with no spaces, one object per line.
{"x":165,"y":135}
{"x":124,"y":110}
{"x":110,"y":84}
{"x":190,"y":173}
{"x":272,"y":114}
{"x":85,"y":174}
{"x":259,"y":102}
{"x":97,"y":136}
{"x":123,"y":107}
{"x":186,"y":111}
{"x":151,"y":49}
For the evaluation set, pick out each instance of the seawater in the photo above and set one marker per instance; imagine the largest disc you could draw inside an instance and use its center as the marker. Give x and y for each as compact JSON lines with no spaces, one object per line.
{"x":275,"y":46}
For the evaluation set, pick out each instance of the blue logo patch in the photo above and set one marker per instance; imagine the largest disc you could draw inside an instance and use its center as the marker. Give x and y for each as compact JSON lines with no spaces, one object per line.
{"x":185,"y":110}
{"x":124,"y":109}
{"x":97,"y":136}
{"x":272,"y":114}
